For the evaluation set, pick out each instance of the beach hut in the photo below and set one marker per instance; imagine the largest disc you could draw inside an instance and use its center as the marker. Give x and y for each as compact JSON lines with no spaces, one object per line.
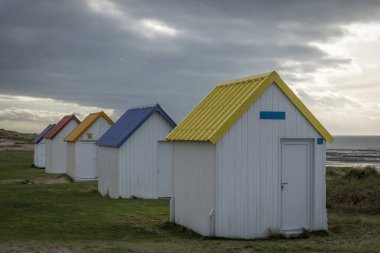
{"x":81,"y":153}
{"x":249,"y":162}
{"x":133,"y":158}
{"x":39,"y":148}
{"x":55,"y":146}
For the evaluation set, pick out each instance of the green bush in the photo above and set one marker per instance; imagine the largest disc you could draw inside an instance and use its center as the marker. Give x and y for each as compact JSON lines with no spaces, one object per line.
{"x":360,"y":173}
{"x":356,"y":190}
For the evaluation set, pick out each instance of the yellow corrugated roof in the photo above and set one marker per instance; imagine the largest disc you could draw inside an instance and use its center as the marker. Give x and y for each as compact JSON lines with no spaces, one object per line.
{"x":227,"y":102}
{"x":85,"y":125}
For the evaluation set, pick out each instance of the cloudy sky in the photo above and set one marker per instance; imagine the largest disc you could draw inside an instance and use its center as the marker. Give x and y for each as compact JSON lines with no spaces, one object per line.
{"x":79,"y":56}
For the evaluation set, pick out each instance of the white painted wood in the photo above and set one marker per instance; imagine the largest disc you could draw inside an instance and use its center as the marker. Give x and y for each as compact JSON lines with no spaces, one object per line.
{"x":87,"y":160}
{"x":165,"y":169}
{"x":194,"y":185}
{"x":57,"y":160}
{"x":138,"y":159}
{"x":96,"y":130}
{"x":319,"y":211}
{"x":248,"y":194}
{"x":108,"y":171}
{"x":295,"y":184}
{"x":81,"y":156}
{"x":71,"y":159}
{"x":39,"y":154}
{"x":247,"y":177}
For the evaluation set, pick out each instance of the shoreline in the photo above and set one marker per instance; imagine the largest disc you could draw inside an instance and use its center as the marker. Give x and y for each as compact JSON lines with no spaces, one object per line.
{"x":353,"y":157}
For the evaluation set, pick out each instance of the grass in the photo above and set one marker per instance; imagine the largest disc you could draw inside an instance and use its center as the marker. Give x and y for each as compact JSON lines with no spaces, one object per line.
{"x":73,"y":217}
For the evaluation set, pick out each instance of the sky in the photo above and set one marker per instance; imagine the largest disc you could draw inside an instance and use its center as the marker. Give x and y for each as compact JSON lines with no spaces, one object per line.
{"x":81,"y":56}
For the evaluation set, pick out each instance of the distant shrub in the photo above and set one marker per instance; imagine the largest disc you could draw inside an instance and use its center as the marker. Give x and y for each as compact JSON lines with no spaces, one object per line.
{"x":360,"y":173}
{"x":357,"y":190}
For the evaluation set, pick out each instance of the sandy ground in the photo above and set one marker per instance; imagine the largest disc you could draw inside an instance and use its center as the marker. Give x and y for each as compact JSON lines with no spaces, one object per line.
{"x":6,"y":144}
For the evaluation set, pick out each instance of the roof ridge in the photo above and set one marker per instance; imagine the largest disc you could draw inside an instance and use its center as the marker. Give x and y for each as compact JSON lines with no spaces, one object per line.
{"x":129,"y":123}
{"x":86,"y":124}
{"x":247,"y":78}
{"x":41,"y":135}
{"x":143,"y":106}
{"x":60,"y":125}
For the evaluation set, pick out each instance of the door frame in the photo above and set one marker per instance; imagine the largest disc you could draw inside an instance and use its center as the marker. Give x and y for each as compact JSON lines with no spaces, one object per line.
{"x":310,"y":179}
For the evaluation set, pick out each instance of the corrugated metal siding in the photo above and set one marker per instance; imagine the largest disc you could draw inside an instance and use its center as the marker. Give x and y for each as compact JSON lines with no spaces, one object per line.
{"x":108,"y":171}
{"x":58,"y":152}
{"x":215,"y":110}
{"x":128,"y":123}
{"x":138,"y":159}
{"x":248,"y":170}
{"x":194,"y":185}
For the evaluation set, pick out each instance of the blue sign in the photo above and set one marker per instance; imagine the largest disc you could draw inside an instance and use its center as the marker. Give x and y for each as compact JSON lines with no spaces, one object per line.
{"x":272,"y":115}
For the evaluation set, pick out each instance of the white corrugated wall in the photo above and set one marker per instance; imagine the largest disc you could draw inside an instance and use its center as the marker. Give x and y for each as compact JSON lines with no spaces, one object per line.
{"x":70,"y":156}
{"x":39,"y":154}
{"x":138,"y":159}
{"x":108,"y":171}
{"x":58,"y":159}
{"x":36,"y":155}
{"x":97,"y":130}
{"x":79,"y":155}
{"x":319,"y":221}
{"x":48,"y":153}
{"x":194,"y":185}
{"x":248,"y":169}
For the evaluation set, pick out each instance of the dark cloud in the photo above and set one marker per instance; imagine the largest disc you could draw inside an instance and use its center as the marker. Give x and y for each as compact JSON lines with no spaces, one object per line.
{"x":66,"y":51}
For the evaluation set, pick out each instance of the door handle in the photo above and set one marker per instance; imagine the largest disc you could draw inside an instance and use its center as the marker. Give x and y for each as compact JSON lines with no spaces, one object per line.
{"x":283,"y":184}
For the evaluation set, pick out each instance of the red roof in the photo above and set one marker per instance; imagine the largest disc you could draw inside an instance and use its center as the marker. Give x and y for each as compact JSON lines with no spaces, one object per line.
{"x":60,"y":125}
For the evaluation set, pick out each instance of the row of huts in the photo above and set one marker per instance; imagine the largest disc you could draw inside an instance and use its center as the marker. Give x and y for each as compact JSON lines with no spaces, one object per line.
{"x":248,"y":161}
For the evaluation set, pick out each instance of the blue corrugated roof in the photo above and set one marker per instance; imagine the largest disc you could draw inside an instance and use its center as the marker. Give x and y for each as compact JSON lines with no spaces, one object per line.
{"x":129,"y":123}
{"x":41,"y":135}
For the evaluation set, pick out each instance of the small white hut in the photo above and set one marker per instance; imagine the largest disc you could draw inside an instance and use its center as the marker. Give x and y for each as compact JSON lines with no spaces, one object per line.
{"x":248,"y":161}
{"x":81,"y":149}
{"x":39,"y":148}
{"x":133,"y":158}
{"x":55,"y":146}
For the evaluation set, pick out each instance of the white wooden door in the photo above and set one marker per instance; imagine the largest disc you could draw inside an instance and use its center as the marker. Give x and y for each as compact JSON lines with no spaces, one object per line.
{"x":295,"y":185}
{"x":164,"y":169}
{"x":88,"y":160}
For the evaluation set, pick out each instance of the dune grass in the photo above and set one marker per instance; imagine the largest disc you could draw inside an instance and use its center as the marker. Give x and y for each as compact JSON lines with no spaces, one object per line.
{"x":73,"y":217}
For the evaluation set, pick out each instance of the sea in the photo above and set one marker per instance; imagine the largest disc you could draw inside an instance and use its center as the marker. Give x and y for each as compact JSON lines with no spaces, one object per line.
{"x":354,"y":151}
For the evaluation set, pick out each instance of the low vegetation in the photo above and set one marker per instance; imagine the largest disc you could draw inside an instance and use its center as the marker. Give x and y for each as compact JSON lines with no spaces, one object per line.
{"x":20,"y":138}
{"x":36,"y":216}
{"x":353,"y":190}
